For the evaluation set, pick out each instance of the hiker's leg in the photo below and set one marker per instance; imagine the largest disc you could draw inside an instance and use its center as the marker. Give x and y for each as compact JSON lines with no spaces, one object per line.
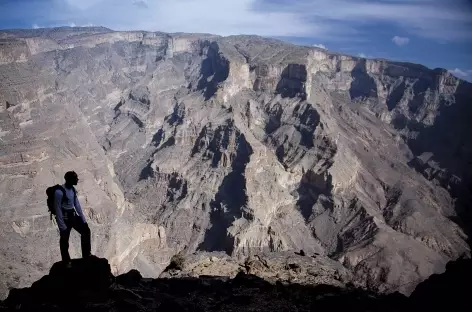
{"x":84,"y":231}
{"x":64,"y":244}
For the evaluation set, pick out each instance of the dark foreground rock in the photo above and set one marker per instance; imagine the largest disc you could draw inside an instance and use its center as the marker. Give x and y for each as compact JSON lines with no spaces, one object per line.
{"x":451,"y":291}
{"x":89,"y":285}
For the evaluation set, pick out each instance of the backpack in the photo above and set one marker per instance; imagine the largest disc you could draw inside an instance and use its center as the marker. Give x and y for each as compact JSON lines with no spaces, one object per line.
{"x":50,"y":192}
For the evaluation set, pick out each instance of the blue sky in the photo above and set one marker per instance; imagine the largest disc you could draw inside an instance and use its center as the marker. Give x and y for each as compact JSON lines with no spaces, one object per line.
{"x":436,"y":33}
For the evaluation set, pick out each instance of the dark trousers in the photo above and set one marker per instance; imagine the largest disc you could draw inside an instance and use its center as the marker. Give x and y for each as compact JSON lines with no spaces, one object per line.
{"x":75,"y":222}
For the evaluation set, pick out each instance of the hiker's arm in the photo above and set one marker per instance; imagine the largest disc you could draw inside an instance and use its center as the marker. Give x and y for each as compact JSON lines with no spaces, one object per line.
{"x":79,"y":209}
{"x":58,"y":207}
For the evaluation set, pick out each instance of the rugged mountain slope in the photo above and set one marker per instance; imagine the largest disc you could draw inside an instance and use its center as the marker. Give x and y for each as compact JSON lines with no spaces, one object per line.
{"x":240,"y":144}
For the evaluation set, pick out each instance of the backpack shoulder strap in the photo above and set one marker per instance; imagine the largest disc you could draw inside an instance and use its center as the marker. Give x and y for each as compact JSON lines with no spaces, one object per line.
{"x":75,"y":193}
{"x":60,"y":187}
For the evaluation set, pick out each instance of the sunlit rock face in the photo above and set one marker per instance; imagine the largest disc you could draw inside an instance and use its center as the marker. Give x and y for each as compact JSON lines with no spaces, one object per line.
{"x":199,"y":143}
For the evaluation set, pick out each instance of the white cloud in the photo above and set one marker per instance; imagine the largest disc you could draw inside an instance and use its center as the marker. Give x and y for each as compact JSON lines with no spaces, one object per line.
{"x":72,"y":24}
{"x":324,"y":19}
{"x":321,"y":46}
{"x":400,"y":41}
{"x":460,"y":73}
{"x":447,"y":20}
{"x":35,"y":26}
{"x":223,"y":17}
{"x":363,"y":55}
{"x":140,"y":3}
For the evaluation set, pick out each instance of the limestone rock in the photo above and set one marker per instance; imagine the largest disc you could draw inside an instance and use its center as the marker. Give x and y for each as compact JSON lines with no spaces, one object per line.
{"x":197,"y":143}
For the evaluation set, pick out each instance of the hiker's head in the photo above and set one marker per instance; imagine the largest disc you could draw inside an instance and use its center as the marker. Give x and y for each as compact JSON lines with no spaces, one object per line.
{"x":71,"y":178}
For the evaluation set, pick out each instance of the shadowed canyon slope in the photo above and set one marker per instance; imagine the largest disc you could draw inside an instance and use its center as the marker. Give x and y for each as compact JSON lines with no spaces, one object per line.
{"x":242,"y":145}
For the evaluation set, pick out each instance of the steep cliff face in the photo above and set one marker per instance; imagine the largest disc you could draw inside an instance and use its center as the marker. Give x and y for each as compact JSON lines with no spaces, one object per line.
{"x":240,"y":144}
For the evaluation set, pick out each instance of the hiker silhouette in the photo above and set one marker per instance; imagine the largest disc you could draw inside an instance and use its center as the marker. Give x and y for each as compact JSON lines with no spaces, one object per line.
{"x":69,"y":215}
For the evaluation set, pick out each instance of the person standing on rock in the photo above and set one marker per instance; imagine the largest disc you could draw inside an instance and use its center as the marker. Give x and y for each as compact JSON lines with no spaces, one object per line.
{"x":69,"y":216}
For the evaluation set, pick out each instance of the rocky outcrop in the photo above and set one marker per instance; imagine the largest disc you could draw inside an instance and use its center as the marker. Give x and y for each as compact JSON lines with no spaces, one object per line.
{"x":243,"y":145}
{"x":13,"y":51}
{"x":283,"y":267}
{"x":89,"y":285}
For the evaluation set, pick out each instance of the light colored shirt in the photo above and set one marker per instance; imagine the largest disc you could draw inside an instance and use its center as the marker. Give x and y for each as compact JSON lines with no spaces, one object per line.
{"x":70,"y":203}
